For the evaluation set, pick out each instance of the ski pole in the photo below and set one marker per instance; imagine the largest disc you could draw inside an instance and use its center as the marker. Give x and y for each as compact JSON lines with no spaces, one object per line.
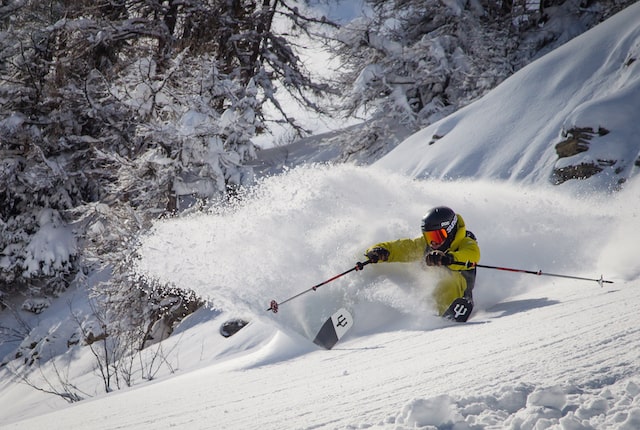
{"x":275,"y":305}
{"x":468,"y":264}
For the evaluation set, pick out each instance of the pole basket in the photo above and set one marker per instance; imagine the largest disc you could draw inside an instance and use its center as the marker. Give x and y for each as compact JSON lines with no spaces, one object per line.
{"x":274,"y":307}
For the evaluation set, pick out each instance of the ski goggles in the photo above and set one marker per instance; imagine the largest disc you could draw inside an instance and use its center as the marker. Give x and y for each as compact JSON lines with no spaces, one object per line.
{"x":435,"y":238}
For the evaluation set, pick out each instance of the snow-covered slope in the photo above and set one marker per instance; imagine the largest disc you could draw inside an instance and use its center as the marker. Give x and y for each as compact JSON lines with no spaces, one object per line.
{"x":539,"y":352}
{"x":592,"y":82}
{"x":542,"y":359}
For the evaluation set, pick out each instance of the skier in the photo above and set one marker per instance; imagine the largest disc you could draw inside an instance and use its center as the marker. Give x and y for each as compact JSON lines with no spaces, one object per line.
{"x":444,"y":240}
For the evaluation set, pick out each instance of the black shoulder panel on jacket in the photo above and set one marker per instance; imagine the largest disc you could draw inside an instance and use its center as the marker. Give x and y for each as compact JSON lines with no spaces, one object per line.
{"x":471,"y":235}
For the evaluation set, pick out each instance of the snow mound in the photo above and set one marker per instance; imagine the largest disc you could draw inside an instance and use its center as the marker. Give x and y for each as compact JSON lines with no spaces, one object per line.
{"x":526,"y":407}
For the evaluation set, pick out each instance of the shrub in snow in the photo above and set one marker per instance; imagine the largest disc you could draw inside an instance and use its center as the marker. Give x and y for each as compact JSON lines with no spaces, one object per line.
{"x":35,"y":305}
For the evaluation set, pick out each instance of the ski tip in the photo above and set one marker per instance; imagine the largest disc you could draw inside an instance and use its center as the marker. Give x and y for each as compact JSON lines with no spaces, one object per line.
{"x":334,"y":329}
{"x":459,"y":310}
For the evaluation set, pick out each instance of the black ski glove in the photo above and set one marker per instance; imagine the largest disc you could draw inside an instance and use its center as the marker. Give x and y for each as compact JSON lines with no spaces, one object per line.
{"x":438,"y":258}
{"x":377,"y":254}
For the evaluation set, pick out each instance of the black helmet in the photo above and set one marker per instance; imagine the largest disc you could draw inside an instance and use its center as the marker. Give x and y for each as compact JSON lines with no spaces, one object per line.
{"x":439,"y":227}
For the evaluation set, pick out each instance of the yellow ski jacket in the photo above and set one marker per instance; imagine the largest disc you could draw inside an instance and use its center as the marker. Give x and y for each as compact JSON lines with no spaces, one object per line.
{"x":463,"y":248}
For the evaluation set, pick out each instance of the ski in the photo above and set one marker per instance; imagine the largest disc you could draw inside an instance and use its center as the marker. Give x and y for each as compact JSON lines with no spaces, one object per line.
{"x":459,"y":311}
{"x":334,"y":328}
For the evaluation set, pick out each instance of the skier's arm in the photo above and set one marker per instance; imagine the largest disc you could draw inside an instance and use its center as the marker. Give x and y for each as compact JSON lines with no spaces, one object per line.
{"x":403,"y":250}
{"x":468,"y":251}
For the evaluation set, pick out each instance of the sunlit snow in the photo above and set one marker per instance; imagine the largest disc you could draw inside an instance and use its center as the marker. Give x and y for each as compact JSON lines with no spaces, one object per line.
{"x":539,"y":352}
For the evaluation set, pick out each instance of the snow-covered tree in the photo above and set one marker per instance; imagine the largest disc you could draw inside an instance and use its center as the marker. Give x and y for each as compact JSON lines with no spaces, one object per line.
{"x":421,"y":60}
{"x":111,"y":113}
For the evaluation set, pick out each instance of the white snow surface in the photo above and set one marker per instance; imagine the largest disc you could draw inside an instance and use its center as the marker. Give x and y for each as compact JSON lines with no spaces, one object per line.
{"x":539,"y":352}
